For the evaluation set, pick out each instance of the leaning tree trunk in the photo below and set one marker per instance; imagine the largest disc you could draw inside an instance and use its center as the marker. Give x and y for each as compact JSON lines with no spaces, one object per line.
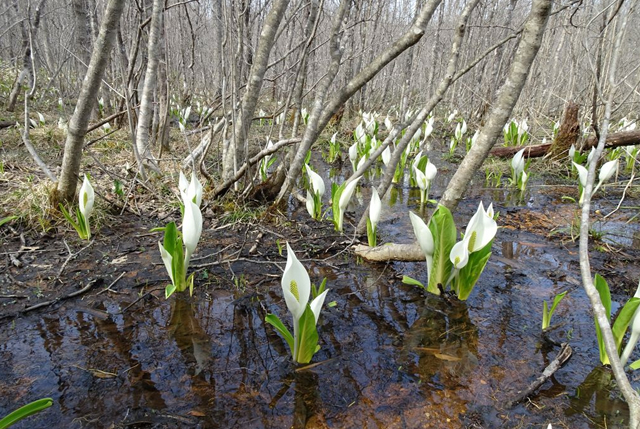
{"x":146,"y":104}
{"x":568,"y":134}
{"x":507,"y":98}
{"x":254,"y":85}
{"x":66,"y":189}
{"x":408,"y":39}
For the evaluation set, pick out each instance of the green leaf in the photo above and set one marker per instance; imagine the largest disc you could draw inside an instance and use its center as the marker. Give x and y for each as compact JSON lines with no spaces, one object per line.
{"x":307,"y":337}
{"x":25,"y":411}
{"x":7,"y":219}
{"x":413,"y":282}
{"x":623,"y":320}
{"x":371,"y":234}
{"x":444,"y":234}
{"x":273,"y":320}
{"x":545,"y":315}
{"x":470,"y":273}
{"x":635,"y":365}
{"x":556,"y":300}
{"x":605,"y":296}
{"x":336,"y":192}
{"x":173,"y":245}
{"x":315,"y":291}
{"x":67,"y":216}
{"x":169,"y":290}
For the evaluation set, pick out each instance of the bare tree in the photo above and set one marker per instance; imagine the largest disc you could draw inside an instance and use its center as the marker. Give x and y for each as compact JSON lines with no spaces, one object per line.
{"x":67,"y":183}
{"x":501,"y":111}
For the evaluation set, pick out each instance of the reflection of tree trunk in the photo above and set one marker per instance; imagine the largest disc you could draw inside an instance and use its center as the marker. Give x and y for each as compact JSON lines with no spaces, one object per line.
{"x":507,"y":98}
{"x":79,"y":121}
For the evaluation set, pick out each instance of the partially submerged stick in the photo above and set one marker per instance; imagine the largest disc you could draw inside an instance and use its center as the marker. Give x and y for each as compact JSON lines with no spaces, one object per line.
{"x":562,"y":357}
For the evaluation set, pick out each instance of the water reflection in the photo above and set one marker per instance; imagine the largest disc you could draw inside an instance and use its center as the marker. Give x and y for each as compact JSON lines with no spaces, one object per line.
{"x":445,"y":341}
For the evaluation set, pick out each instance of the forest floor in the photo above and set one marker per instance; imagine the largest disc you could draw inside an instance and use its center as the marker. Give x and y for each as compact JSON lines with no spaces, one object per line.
{"x":87,"y":324}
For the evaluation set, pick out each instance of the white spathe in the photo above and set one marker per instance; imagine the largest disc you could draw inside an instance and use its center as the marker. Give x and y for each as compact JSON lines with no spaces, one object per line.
{"x":459,"y":255}
{"x":517,"y":163}
{"x":191,"y":229}
{"x":480,"y":230}
{"x":296,"y":286}
{"x":375,"y":208}
{"x":317,"y":184}
{"x":425,"y":238}
{"x":86,"y":199}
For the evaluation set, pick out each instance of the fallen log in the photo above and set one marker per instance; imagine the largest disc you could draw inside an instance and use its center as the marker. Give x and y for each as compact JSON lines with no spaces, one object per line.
{"x":390,"y":252}
{"x":624,"y":138}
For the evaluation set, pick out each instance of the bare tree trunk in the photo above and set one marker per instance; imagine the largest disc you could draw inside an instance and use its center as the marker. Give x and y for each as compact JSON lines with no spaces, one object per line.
{"x":416,"y":122}
{"x":79,"y":121}
{"x":146,"y":103}
{"x":507,"y":98}
{"x":629,"y":393}
{"x":408,"y":39}
{"x":27,"y":65}
{"x":434,"y":49}
{"x":258,"y":69}
{"x":568,"y":134}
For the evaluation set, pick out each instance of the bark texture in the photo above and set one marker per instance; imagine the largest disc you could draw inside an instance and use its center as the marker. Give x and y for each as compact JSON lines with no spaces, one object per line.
{"x":254,"y":84}
{"x":507,"y":98}
{"x":568,"y":133}
{"x":150,"y":78}
{"x":623,"y":138}
{"x":67,"y":183}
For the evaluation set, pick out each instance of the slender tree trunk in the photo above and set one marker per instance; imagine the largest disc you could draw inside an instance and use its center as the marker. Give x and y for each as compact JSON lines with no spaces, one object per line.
{"x":408,"y":39}
{"x":629,"y":393}
{"x":507,"y":98}
{"x":27,"y":65}
{"x":146,"y":104}
{"x":79,"y":121}
{"x":254,"y":85}
{"x":416,"y":122}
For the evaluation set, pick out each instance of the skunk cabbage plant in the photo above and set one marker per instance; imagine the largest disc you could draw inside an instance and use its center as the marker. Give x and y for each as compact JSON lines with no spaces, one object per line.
{"x":314,"y":197}
{"x":449,"y":263}
{"x":607,"y":171}
{"x":519,"y":175}
{"x":340,"y":200}
{"x":374,"y":217}
{"x":296,"y":288}
{"x":86,"y":199}
{"x":175,"y":258}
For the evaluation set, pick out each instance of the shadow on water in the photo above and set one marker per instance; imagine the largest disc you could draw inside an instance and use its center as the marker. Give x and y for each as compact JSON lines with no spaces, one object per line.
{"x":392,"y":356}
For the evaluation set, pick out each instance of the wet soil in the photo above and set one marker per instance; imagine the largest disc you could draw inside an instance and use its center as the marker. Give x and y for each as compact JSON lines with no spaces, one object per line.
{"x":121,"y":355}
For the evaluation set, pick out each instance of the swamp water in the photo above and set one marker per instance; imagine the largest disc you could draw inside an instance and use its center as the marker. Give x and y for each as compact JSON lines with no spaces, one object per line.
{"x":392,"y":355}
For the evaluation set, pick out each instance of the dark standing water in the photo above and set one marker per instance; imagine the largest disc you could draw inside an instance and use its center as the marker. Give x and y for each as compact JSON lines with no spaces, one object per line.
{"x":392,"y":356}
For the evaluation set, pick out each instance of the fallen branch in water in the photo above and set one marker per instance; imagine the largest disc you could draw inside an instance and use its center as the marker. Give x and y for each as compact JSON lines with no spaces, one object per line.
{"x":390,"y":252}
{"x":562,"y":357}
{"x":53,"y":301}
